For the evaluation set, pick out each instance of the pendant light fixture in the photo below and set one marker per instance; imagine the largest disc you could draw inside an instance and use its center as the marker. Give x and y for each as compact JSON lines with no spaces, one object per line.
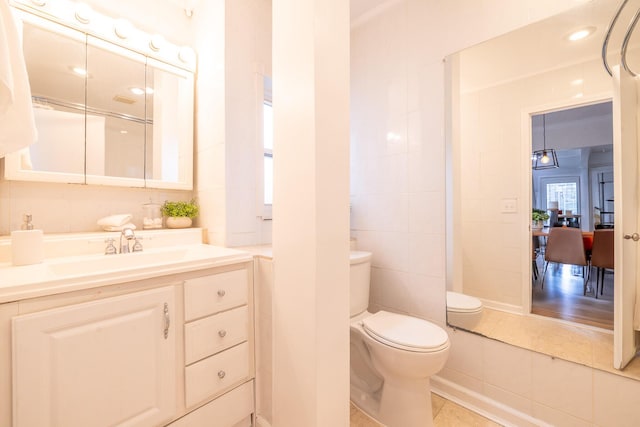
{"x":545,"y":158}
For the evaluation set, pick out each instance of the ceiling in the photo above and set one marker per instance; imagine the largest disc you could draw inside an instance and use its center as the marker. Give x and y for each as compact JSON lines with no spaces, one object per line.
{"x":359,"y":8}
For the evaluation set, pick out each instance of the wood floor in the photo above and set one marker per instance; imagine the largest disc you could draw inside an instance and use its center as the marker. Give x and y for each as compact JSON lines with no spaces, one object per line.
{"x":562,"y":296}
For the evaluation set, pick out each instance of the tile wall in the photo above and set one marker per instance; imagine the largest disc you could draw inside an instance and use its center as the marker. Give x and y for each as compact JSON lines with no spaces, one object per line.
{"x":397,"y":138}
{"x":536,"y":387}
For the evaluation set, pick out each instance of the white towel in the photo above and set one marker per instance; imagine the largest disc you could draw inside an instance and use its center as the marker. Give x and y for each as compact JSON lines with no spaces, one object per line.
{"x":17,"y":126}
{"x":115,"y":220}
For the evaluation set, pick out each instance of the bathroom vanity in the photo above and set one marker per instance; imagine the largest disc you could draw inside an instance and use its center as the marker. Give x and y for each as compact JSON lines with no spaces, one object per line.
{"x":165,"y":338}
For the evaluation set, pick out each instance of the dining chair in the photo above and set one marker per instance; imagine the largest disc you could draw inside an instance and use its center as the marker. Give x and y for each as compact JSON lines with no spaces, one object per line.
{"x":565,"y":246}
{"x":602,"y":255}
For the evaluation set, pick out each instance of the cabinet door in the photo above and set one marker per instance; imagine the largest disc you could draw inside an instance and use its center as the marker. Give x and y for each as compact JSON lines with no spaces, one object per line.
{"x":105,"y":363}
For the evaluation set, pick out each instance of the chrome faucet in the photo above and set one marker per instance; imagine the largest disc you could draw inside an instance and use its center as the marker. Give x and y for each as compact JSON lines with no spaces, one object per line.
{"x":128,"y":234}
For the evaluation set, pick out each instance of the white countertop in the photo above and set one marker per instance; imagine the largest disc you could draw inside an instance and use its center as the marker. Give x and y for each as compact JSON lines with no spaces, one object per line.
{"x":263,"y":251}
{"x":71,"y":273}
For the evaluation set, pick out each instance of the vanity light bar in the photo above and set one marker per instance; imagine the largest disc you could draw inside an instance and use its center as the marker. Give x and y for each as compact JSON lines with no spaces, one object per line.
{"x":115,"y":30}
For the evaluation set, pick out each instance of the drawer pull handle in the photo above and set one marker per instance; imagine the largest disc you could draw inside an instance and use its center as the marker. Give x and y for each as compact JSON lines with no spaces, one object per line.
{"x":167,"y":320}
{"x":221,"y":292}
{"x":221,"y":374}
{"x":222,"y":333}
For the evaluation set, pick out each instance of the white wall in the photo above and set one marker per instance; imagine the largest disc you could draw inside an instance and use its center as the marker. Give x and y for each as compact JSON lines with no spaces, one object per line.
{"x":397,"y":138}
{"x":233,"y":41}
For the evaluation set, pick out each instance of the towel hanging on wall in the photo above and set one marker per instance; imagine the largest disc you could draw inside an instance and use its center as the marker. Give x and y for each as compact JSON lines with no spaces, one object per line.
{"x":17,"y":126}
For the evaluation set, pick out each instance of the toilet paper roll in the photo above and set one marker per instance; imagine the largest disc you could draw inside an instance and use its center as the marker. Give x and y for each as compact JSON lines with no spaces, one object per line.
{"x":26,"y":247}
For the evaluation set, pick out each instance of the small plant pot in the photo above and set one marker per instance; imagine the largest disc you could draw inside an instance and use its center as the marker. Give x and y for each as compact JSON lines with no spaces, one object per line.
{"x":537,"y":225}
{"x":178,"y":222}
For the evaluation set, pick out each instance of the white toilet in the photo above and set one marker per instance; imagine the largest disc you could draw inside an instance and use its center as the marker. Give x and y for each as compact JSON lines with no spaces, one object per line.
{"x":463,"y":311}
{"x":392,"y":357}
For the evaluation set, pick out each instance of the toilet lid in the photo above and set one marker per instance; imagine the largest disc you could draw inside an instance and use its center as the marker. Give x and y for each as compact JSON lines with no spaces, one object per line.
{"x":462,"y":303}
{"x":405,"y":332}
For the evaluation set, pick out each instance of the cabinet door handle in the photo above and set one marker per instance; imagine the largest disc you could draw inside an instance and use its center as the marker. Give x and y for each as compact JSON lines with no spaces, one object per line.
{"x":222,"y":333}
{"x":221,"y":292}
{"x":221,"y":374}
{"x":167,"y":320}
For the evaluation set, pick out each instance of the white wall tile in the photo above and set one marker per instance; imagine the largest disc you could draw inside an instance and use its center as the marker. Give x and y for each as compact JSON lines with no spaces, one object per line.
{"x":461,"y":379}
{"x":427,"y":257}
{"x":390,"y":249}
{"x":508,"y":367}
{"x":558,"y":418}
{"x":512,"y":400}
{"x":389,"y":289}
{"x":426,"y":212}
{"x":465,"y":354}
{"x":382,"y":212}
{"x":427,"y":299}
{"x":616,"y":400}
{"x":564,"y":386}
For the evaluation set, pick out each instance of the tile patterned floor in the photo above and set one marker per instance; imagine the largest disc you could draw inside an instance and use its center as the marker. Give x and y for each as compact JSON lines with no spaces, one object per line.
{"x":445,"y":414}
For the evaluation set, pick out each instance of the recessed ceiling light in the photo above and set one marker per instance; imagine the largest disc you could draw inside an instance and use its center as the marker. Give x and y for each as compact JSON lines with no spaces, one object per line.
{"x":124,"y":132}
{"x":137,"y":91}
{"x":581,"y":34}
{"x":577,"y":82}
{"x":149,"y":90}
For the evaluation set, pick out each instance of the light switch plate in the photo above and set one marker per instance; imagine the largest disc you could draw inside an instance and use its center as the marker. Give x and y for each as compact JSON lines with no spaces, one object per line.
{"x":509,"y":206}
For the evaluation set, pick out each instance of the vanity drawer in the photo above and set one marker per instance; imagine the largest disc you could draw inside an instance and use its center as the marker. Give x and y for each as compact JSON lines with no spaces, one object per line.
{"x":213,"y":375}
{"x":211,"y":294}
{"x":231,"y":409}
{"x":215,"y":333}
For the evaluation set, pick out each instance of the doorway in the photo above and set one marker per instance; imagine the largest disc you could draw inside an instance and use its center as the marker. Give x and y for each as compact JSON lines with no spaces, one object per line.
{"x":573,"y":194}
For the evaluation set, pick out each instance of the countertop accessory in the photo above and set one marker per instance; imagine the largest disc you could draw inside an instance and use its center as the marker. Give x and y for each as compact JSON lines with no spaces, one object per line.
{"x":26,"y":244}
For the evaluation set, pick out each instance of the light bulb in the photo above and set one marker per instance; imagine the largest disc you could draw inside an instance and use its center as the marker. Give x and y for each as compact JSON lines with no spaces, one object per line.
{"x":157,"y":42}
{"x":79,"y":71}
{"x":544,"y":159}
{"x":122,"y":28}
{"x":83,"y":13}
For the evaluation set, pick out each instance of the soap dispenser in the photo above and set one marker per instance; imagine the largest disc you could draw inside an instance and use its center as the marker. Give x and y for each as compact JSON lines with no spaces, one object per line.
{"x":26,"y":244}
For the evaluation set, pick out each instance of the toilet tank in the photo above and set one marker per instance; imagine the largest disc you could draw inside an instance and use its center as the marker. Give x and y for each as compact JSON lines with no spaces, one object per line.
{"x":359,"y":277}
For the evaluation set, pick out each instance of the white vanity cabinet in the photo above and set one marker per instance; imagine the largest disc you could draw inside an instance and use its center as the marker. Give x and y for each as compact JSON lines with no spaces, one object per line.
{"x":101,"y":363}
{"x":169,"y":350}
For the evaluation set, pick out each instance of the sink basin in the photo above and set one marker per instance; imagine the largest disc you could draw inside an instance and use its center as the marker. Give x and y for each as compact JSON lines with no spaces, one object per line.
{"x":76,"y":272}
{"x":111,"y":263}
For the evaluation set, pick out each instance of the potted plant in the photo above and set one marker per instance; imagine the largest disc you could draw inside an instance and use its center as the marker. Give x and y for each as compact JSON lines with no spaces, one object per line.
{"x":180,"y":214}
{"x":538,"y":216}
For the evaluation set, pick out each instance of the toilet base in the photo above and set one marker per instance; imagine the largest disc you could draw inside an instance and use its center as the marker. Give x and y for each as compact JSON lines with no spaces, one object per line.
{"x":406,"y":404}
{"x":400,"y":403}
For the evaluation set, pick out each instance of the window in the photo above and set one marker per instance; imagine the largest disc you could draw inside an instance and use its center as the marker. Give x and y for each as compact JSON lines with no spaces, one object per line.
{"x":265,"y":186}
{"x":267,"y":114}
{"x":564,"y":190}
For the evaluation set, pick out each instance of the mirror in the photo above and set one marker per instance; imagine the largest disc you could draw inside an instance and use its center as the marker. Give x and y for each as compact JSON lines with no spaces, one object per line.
{"x":126,"y":117}
{"x":495,"y":89}
{"x":58,"y":108}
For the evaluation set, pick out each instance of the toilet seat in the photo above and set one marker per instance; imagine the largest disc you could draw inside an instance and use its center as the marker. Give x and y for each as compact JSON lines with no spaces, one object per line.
{"x":405,"y":332}
{"x":461,"y":303}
